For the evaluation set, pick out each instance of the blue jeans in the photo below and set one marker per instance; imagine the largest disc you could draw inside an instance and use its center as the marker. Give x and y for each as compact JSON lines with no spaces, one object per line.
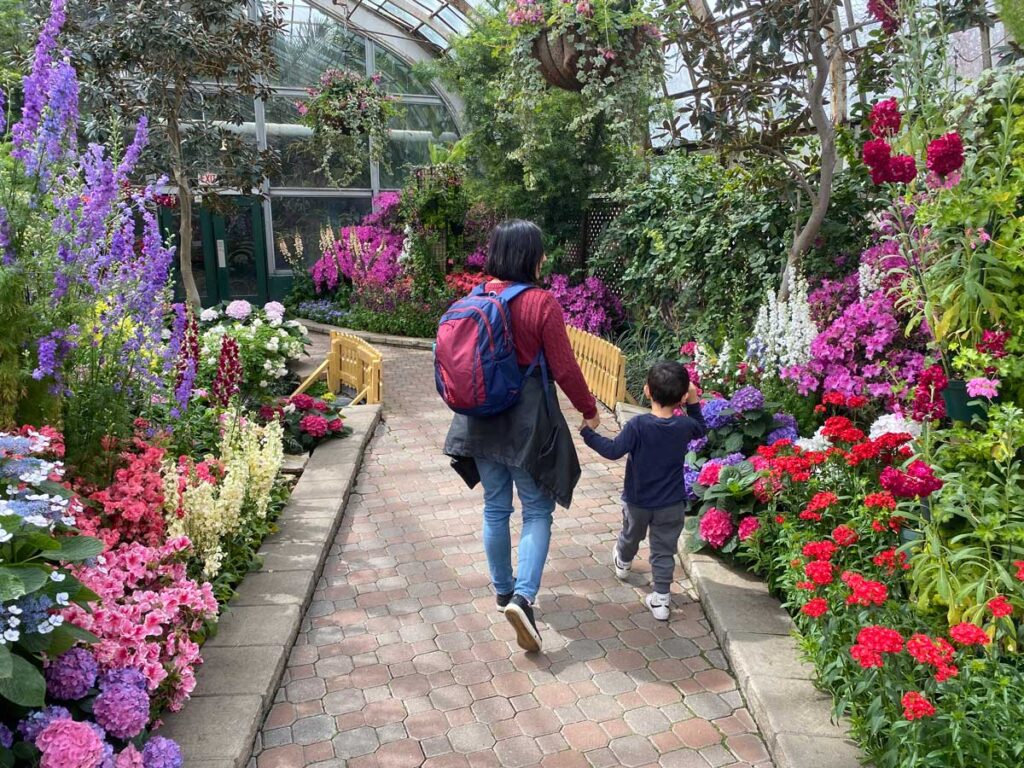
{"x":497,"y":480}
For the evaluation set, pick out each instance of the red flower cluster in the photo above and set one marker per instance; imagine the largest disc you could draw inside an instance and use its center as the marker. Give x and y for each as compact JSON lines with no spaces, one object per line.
{"x":709,"y":475}
{"x":229,"y":373}
{"x":967,"y":633}
{"x":884,"y":11}
{"x":1000,"y":607}
{"x":820,"y":501}
{"x":820,"y":572}
{"x":819,"y":550}
{"x":918,"y":482}
{"x":936,"y":652}
{"x":928,"y":402}
{"x":878,"y":157}
{"x":916,"y":706}
{"x":864,"y":591}
{"x":132,"y":505}
{"x":461,"y":283}
{"x":993,"y":343}
{"x":839,"y":400}
{"x":891,"y":561}
{"x":314,"y":425}
{"x":815,"y":607}
{"x":885,"y":118}
{"x":872,"y":642}
{"x":841,"y":429}
{"x":883,"y":500}
{"x":946,"y":154}
{"x":1019,"y":565}
{"x":844,"y":536}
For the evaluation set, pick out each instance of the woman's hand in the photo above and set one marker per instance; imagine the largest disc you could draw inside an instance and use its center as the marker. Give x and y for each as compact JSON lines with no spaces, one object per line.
{"x":593,"y":423}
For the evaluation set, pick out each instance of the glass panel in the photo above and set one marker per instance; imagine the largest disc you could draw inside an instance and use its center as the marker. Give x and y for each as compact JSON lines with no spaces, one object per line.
{"x":299,"y":166}
{"x":413,"y":132}
{"x":311,"y":43}
{"x":240,"y":252}
{"x":397,"y":75}
{"x":299,"y":224}
{"x":198,"y":254}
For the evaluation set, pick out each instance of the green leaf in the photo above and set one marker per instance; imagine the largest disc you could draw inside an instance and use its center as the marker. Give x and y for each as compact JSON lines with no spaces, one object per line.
{"x":76,"y":549}
{"x":26,"y":686}
{"x":11,"y":587}
{"x":6,"y":665}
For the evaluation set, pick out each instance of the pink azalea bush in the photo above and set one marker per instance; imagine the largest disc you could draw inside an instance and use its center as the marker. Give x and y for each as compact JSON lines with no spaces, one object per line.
{"x":590,"y":306}
{"x":361,"y":254}
{"x":149,"y":616}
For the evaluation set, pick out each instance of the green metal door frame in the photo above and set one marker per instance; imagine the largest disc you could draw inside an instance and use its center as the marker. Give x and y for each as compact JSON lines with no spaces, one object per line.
{"x":168,"y":221}
{"x":219,"y":246}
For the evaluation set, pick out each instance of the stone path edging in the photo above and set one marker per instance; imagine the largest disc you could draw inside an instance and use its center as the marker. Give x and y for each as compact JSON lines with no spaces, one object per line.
{"x":245,"y":660}
{"x":404,"y":342}
{"x":756,"y":634}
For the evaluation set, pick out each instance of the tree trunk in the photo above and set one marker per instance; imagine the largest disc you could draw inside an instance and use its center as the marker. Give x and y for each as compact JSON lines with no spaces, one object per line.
{"x":188,"y":281}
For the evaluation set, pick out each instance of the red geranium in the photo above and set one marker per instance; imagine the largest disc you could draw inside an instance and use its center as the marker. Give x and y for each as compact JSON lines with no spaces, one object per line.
{"x":819,"y":550}
{"x":1000,"y":607}
{"x":967,"y":633}
{"x":820,"y":572}
{"x":864,"y":591}
{"x":916,"y":706}
{"x":946,"y":154}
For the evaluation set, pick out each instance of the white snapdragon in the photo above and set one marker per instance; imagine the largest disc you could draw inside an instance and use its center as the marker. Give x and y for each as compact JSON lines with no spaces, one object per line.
{"x":783,"y":331}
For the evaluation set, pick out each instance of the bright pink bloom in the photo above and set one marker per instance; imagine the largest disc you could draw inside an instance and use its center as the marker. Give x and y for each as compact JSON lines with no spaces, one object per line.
{"x":69,"y":744}
{"x":748,"y":526}
{"x":716,"y":527}
{"x":967,"y":633}
{"x":946,"y":154}
{"x":885,"y":118}
{"x":1000,"y":607}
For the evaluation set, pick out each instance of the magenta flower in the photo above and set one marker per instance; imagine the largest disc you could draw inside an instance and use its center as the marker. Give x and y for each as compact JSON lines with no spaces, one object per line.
{"x":716,"y":527}
{"x":946,"y":155}
{"x":982,"y":387}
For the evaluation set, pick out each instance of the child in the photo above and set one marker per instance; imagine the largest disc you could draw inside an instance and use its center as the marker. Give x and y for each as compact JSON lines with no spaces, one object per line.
{"x":655,"y":497}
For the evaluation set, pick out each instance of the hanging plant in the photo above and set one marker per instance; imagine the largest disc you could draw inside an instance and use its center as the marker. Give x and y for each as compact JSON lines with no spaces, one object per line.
{"x":347,"y":111}
{"x":607,"y":51}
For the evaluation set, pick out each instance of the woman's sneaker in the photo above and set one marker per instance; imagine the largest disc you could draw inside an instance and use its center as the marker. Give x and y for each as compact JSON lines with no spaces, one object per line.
{"x":621,"y":568}
{"x":659,"y":604}
{"x":503,"y":600}
{"x":519,"y":613}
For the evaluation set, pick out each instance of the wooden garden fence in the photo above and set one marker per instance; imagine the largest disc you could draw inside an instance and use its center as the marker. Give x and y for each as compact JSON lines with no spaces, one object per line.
{"x":603,"y":365}
{"x":351,"y":363}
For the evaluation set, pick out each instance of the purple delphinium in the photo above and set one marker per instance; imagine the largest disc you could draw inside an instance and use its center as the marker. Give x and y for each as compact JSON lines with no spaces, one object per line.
{"x":37,"y":84}
{"x":714,"y":413}
{"x":6,"y":254}
{"x":71,"y":675}
{"x":747,"y":398}
{"x":123,"y":710}
{"x":36,"y":723}
{"x":161,"y":752}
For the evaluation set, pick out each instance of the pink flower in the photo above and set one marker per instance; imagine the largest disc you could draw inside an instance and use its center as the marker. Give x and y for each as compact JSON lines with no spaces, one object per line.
{"x":902,"y":169}
{"x":716,"y":527}
{"x":238,"y":309}
{"x":709,"y":474}
{"x":67,"y":744}
{"x":129,"y":757}
{"x":748,"y":526}
{"x":315,"y":426}
{"x":876,"y":153}
{"x":946,"y":154}
{"x":981,"y":387}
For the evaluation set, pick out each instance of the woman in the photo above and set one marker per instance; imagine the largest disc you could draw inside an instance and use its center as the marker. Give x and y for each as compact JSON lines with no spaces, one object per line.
{"x":529,"y":445}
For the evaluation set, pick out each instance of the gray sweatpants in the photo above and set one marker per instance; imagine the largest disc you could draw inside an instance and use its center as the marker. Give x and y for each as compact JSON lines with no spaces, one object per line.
{"x":665,"y":525}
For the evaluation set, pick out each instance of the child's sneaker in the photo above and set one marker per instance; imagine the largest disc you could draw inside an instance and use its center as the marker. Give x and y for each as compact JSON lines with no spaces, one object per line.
{"x":621,"y":568}
{"x":659,"y":604}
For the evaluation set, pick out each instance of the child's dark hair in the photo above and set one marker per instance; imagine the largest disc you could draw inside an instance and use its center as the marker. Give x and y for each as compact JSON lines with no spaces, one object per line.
{"x":515,"y":251}
{"x":668,"y":382}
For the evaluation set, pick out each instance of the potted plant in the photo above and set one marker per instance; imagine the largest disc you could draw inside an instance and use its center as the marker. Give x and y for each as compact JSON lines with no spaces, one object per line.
{"x":345,"y":110}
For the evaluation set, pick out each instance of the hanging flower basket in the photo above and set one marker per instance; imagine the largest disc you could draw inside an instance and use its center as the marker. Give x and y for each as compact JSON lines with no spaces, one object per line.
{"x":562,"y":60}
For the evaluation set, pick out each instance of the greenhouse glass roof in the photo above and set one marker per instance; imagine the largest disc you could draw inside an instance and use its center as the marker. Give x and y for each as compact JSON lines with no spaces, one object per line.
{"x":435,"y":21}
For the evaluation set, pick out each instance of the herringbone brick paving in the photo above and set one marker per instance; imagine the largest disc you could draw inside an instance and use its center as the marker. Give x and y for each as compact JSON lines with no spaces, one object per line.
{"x":402,"y":659}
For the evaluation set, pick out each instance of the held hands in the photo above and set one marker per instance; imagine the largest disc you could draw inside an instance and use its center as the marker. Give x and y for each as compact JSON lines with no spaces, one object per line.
{"x":593,"y":423}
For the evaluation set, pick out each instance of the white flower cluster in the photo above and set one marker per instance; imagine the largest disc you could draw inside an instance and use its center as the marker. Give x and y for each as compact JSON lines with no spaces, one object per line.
{"x":406,"y":254}
{"x":783,"y":331}
{"x":894,"y":424}
{"x":817,"y":442}
{"x":869,"y":280}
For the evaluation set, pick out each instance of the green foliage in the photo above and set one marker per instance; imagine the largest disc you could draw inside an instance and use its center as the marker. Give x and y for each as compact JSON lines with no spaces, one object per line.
{"x":434,"y":207}
{"x":695,"y":247}
{"x":407,"y":319}
{"x":1012,"y":14}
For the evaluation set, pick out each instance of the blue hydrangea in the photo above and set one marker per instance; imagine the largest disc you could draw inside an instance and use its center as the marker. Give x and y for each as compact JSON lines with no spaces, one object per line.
{"x":161,"y":752}
{"x":714,"y":415}
{"x":731,"y":460}
{"x":748,"y":398}
{"x":71,"y":675}
{"x":36,"y":723}
{"x":6,"y":737}
{"x":689,"y":479}
{"x":785,"y":420}
{"x":12,"y":444}
{"x":129,"y":676}
{"x":782,"y":433}
{"x":698,"y":445}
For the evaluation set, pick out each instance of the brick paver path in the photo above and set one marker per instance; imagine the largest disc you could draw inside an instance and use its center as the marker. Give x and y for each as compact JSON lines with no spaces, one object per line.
{"x":403,"y":660}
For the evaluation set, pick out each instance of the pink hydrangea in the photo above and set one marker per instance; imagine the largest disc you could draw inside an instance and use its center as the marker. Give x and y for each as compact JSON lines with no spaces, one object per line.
{"x":68,"y":744}
{"x":239,"y":309}
{"x":274,"y":310}
{"x":716,"y":527}
{"x":129,"y":757}
{"x":748,"y":527}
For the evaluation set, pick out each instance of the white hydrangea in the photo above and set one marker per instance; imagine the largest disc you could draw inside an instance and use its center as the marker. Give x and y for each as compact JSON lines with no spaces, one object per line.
{"x":817,"y":442}
{"x":209,"y":315}
{"x":893,"y":423}
{"x":783,"y":331}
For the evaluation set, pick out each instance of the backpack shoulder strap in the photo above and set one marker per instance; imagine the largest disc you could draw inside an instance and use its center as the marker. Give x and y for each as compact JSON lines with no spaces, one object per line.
{"x":514,"y":290}
{"x":479,"y":290}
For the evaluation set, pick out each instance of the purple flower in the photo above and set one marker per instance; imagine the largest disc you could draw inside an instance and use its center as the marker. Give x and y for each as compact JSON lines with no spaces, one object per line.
{"x":698,"y":445}
{"x":782,"y":433}
{"x":128,"y":676}
{"x":70,"y":676}
{"x":6,"y":254}
{"x":689,"y":479}
{"x":37,"y":83}
{"x":477,"y":259}
{"x":35,"y":723}
{"x":590,"y":306}
{"x":714,"y":413}
{"x":161,"y":752}
{"x":731,"y":460}
{"x":123,"y":710}
{"x":747,"y":398}
{"x":6,"y":737}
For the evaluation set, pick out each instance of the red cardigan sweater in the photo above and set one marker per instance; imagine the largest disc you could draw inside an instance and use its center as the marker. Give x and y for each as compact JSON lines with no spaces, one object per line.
{"x":538,"y":323}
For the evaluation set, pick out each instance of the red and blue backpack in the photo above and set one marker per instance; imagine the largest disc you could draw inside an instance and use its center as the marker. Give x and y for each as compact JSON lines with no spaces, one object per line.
{"x":475,"y":366}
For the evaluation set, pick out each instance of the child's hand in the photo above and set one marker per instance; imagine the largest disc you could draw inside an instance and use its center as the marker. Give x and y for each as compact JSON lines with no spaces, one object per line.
{"x":593,"y":423}
{"x":692,"y":395}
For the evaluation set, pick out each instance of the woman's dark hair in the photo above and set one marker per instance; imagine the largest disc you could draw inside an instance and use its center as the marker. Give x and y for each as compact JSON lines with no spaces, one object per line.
{"x":515,"y":251}
{"x":668,"y":383}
